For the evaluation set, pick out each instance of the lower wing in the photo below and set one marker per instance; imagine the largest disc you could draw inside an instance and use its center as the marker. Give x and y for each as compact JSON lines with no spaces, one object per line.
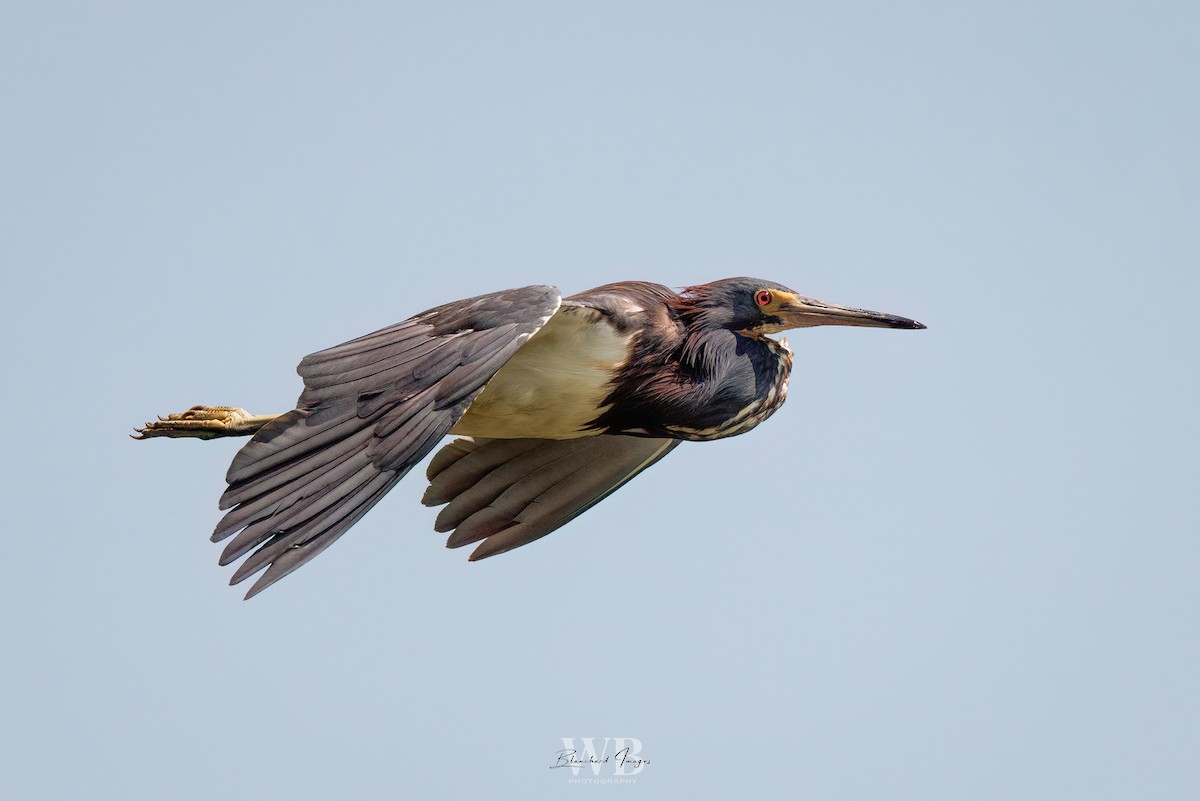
{"x":509,"y":492}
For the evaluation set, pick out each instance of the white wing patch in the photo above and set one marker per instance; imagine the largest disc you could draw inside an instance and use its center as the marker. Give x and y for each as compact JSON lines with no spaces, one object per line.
{"x":554,"y":385}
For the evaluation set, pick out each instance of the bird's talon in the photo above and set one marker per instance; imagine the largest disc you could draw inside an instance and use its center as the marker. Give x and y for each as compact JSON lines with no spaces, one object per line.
{"x":203,"y":422}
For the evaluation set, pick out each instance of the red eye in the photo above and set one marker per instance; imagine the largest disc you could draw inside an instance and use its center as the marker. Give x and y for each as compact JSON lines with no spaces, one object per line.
{"x":762,"y":297}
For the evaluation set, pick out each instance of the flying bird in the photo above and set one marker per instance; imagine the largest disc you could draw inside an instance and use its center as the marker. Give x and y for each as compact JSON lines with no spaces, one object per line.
{"x":557,"y":402}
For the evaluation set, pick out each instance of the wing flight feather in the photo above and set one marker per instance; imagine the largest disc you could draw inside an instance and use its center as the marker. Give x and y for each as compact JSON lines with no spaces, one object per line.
{"x":509,"y":492}
{"x":370,"y":410}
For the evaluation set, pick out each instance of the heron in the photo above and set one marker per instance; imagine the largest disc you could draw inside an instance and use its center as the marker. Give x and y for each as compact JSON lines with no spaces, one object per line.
{"x":556,"y":402}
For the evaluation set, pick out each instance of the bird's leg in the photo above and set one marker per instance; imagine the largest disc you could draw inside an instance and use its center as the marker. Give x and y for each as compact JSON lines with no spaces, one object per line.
{"x":205,"y":422}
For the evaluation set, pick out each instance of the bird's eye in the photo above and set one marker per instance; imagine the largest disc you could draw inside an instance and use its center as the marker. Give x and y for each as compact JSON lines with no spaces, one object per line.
{"x":762,"y":297}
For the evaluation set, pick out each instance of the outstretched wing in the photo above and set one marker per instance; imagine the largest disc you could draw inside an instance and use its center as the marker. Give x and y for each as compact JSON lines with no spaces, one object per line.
{"x":509,"y":492}
{"x":370,"y":410}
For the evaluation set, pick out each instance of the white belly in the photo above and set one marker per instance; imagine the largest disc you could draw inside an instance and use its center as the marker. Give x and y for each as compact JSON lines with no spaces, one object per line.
{"x":554,"y":385}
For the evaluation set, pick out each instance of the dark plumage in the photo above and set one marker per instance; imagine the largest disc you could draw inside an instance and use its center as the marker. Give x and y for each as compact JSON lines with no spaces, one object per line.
{"x":560,"y":402}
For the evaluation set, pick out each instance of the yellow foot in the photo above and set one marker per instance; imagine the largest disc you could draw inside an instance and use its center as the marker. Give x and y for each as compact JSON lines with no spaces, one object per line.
{"x":205,"y":422}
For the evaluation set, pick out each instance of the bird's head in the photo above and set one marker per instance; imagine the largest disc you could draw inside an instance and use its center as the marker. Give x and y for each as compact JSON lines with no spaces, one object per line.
{"x":754,"y":307}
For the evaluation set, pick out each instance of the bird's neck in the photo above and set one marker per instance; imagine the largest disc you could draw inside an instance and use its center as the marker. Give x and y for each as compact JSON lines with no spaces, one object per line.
{"x":709,"y":352}
{"x":722,"y":384}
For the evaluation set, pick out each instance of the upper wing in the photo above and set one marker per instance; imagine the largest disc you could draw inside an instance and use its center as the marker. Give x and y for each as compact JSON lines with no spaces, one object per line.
{"x":370,"y":410}
{"x":508,"y":492}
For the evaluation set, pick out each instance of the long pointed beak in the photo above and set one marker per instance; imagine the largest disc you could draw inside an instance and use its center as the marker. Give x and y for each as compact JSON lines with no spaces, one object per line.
{"x":802,"y":312}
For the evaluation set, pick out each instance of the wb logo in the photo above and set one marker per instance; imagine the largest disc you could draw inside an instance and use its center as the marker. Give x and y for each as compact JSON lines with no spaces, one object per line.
{"x":617,"y":756}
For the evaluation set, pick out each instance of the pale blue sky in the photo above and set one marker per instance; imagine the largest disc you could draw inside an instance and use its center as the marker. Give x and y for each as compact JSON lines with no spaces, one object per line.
{"x":959,"y":563}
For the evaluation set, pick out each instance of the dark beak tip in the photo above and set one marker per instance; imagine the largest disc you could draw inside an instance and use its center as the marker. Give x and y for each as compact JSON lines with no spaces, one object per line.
{"x":903,"y":323}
